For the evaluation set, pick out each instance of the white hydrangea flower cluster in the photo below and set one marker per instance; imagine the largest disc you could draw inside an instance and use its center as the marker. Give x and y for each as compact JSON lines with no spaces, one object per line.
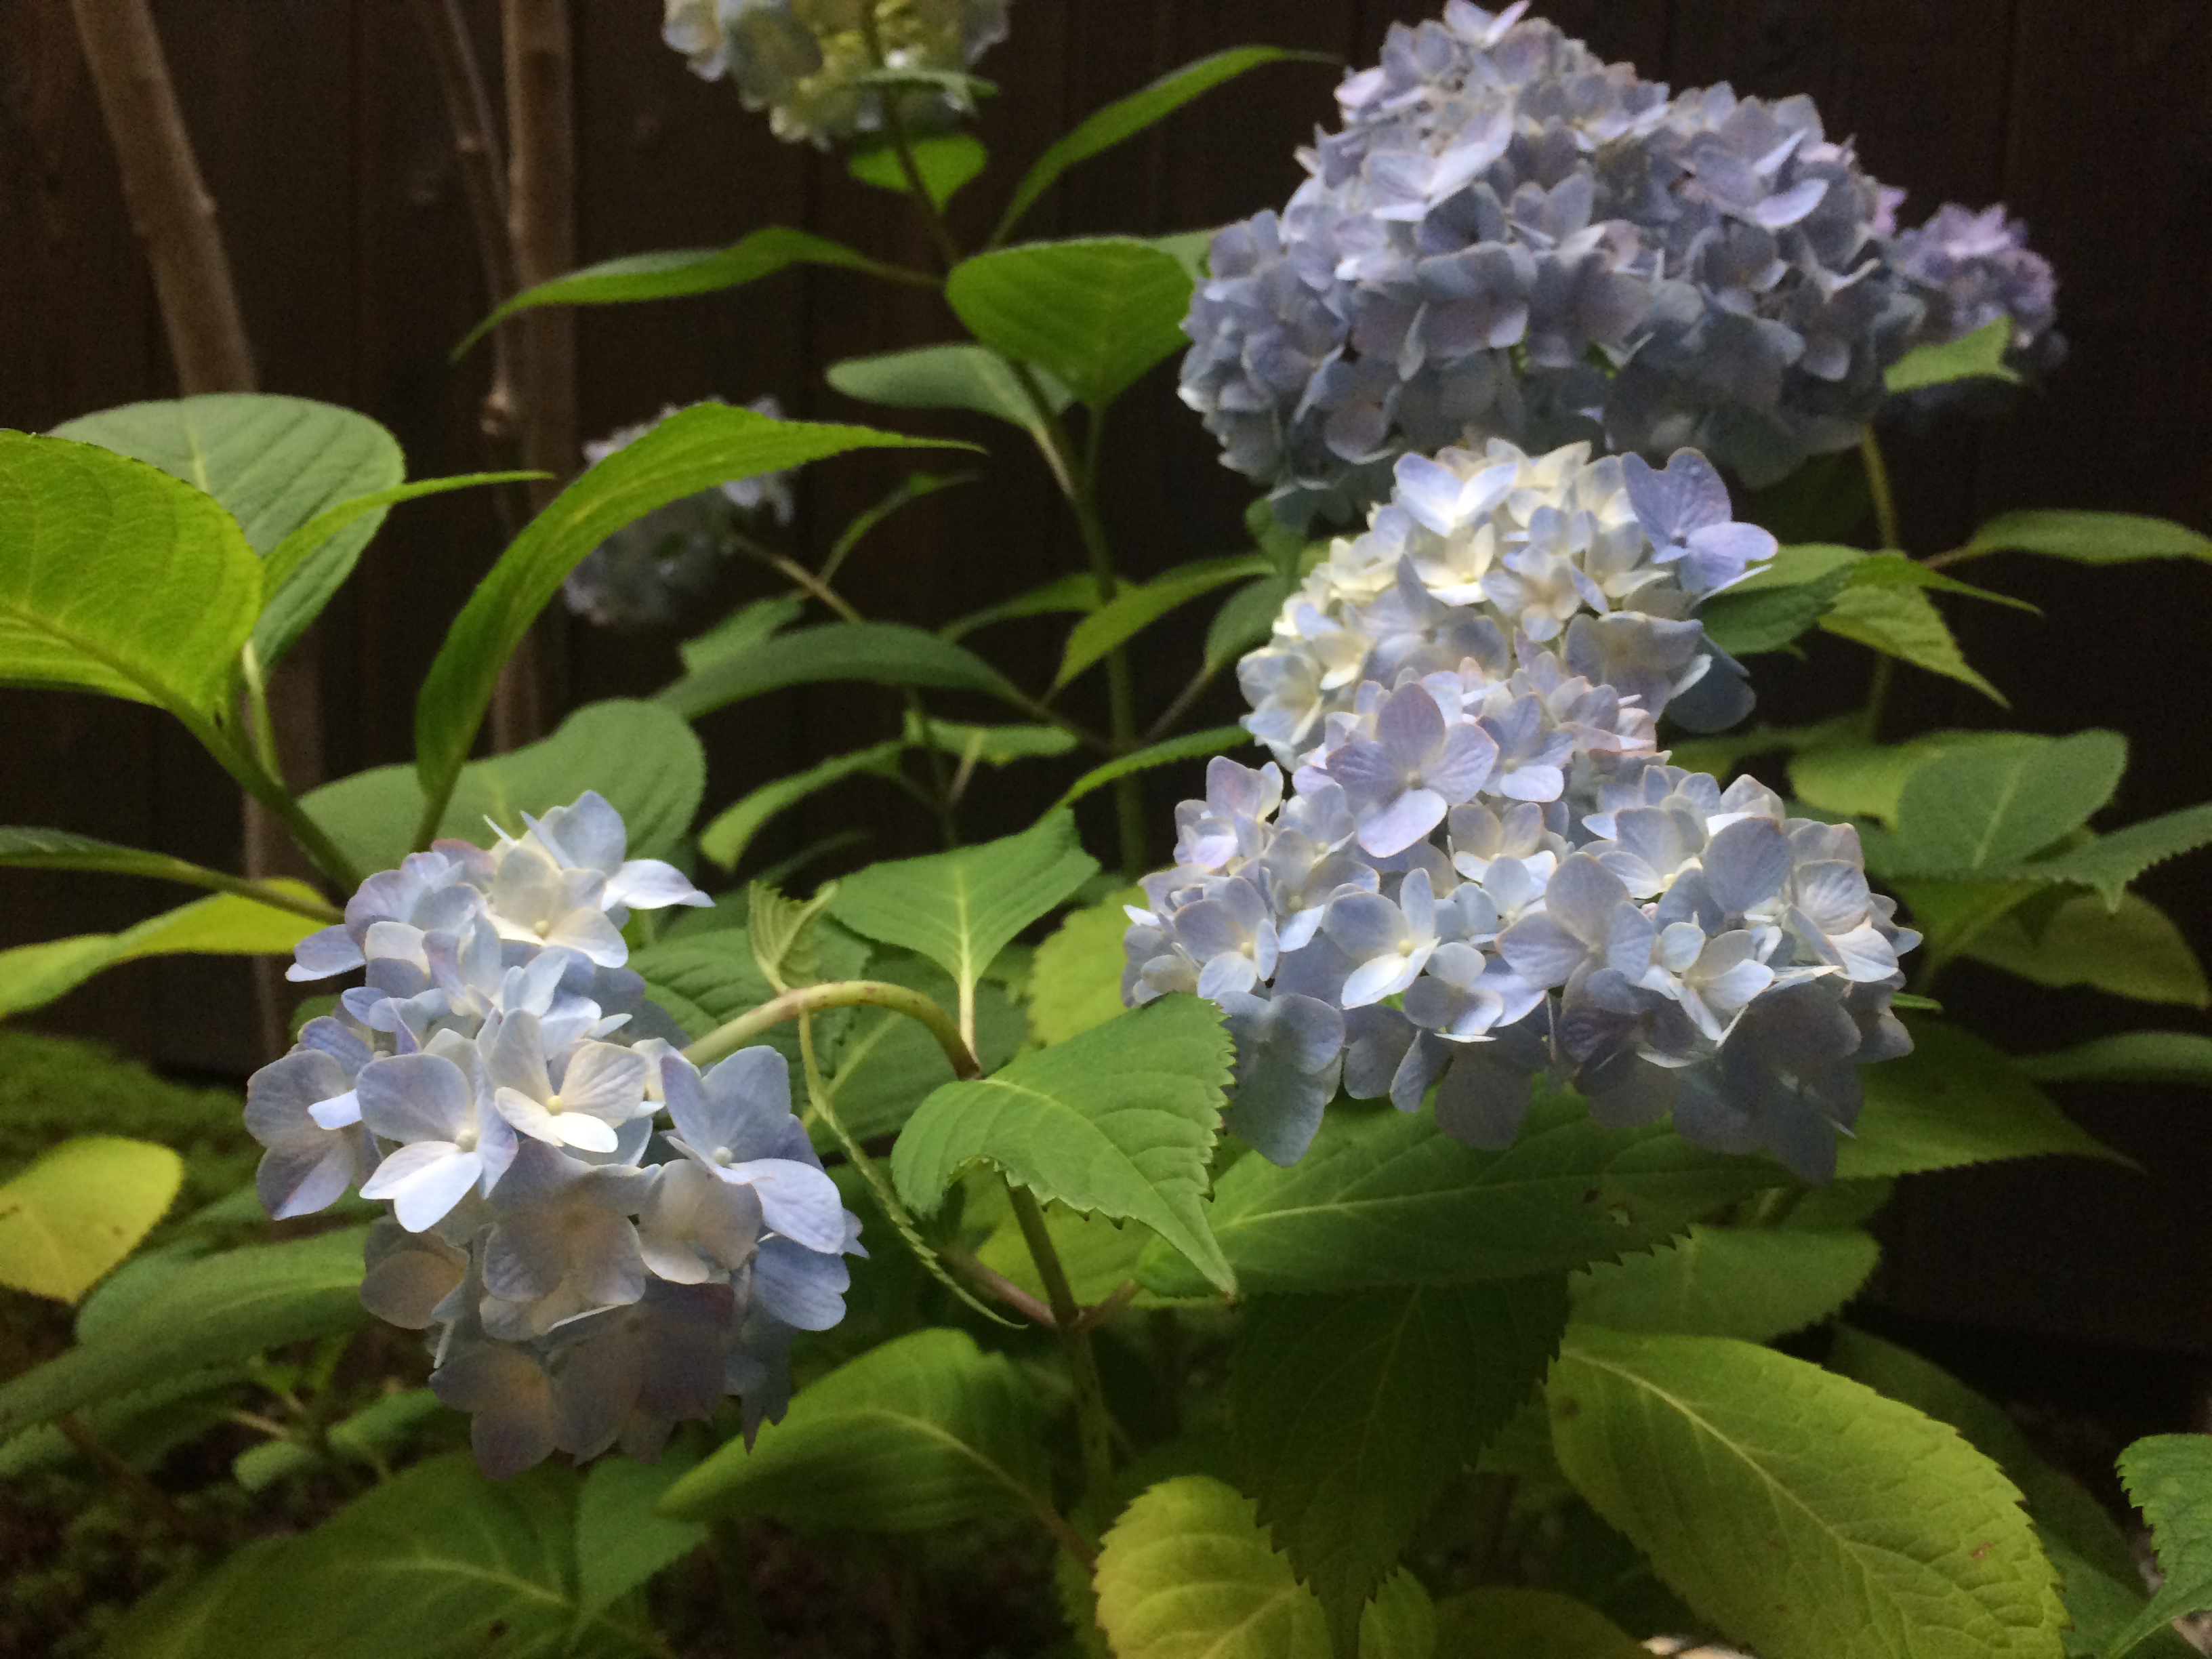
{"x":1486,"y":870}
{"x":498,"y":1080}
{"x":811,"y":63}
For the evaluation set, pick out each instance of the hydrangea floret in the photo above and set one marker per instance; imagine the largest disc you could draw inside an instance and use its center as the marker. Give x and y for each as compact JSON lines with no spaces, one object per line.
{"x":589,"y":1275}
{"x":1509,"y":237}
{"x":823,"y":69}
{"x":1469,"y":864}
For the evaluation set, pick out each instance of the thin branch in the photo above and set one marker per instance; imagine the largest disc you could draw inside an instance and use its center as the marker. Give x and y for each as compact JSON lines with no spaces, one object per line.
{"x":840,"y":993}
{"x":1002,"y":1287}
{"x":74,"y":1430}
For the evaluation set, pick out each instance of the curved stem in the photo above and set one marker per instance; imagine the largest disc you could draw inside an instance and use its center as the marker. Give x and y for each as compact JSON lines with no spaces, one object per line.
{"x":1093,"y":1431}
{"x":1877,"y":477}
{"x":839,"y":994}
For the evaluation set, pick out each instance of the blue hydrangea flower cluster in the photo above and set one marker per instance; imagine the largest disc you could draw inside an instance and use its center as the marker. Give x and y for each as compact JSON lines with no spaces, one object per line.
{"x":1485,"y":870}
{"x":1508,"y":236}
{"x":1969,"y":269}
{"x":809,"y":62}
{"x":647,"y":573}
{"x":499,"y":1078}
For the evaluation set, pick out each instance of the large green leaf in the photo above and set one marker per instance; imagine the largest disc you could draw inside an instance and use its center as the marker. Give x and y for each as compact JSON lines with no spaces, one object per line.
{"x":2135,"y":950}
{"x":1387,"y":1198}
{"x":923,"y":1431}
{"x":673,"y":272}
{"x":216,"y":1309}
{"x":707,"y":979}
{"x":1352,"y":1412}
{"x":2102,"y":1606}
{"x":961,"y":908}
{"x":119,"y":578}
{"x":1780,"y":600}
{"x":1756,"y":1283}
{"x":1503,"y":1621}
{"x":1978,"y":354}
{"x":280,"y":466}
{"x":2183,"y":1057}
{"x":643,"y":758}
{"x":1121,"y":1120}
{"x":2088,"y":537}
{"x":1191,"y":745}
{"x":1986,"y":806}
{"x":2169,"y":1476}
{"x":726,"y":835}
{"x":694,"y":449}
{"x":79,"y":1209}
{"x":882,"y":652}
{"x":31,"y":975}
{"x":621,"y":1539}
{"x":2109,"y":862}
{"x":888,"y":1063}
{"x":1895,"y":569}
{"x":1137,"y":606}
{"x":1093,"y":314}
{"x":1075,"y":982}
{"x":1860,"y":779}
{"x":1805,"y":1515}
{"x":958,"y":376}
{"x":1126,"y":118}
{"x":1955,"y":1099}
{"x":1187,"y":1573}
{"x":1904,"y":622}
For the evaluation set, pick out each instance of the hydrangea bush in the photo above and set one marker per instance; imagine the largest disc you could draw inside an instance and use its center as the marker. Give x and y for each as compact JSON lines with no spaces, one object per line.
{"x":1370,"y":1234}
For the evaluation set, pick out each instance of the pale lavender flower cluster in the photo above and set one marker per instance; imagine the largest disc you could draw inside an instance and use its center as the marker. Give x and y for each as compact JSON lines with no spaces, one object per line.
{"x":647,"y":573}
{"x":1510,"y":237}
{"x":1485,"y":870}
{"x":1969,"y":269}
{"x":812,"y":63}
{"x":498,"y":1079}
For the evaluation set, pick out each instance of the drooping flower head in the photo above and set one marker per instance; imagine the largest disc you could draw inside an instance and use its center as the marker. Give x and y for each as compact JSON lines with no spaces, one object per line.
{"x":588,"y":1278}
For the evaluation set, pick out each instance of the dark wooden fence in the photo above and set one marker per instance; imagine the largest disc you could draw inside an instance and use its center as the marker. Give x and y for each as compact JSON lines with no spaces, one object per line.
{"x":318,"y":125}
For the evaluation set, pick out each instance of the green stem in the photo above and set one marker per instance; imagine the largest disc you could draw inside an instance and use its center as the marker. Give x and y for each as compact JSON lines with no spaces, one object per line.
{"x":948,"y":245}
{"x":1877,"y":477}
{"x":248,"y":772}
{"x":263,"y":728}
{"x":1093,"y":1431}
{"x":839,"y":994}
{"x":1121,"y":684}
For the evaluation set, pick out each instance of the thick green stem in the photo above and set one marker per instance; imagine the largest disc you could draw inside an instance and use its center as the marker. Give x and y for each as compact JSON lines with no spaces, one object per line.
{"x":248,"y":772}
{"x":1094,"y":1432}
{"x":839,"y":994}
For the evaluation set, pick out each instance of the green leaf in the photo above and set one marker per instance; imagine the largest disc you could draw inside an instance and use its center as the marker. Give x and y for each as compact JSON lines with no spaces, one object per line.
{"x":1752,"y":1283}
{"x":644,"y":759}
{"x":303,"y":572}
{"x":1137,"y":606}
{"x":172,"y":1622}
{"x":888,"y":1063}
{"x":1094,"y":313}
{"x":1895,"y":569}
{"x":672,"y":273}
{"x":216,"y":1309}
{"x":2060,"y":1506}
{"x":119,"y":578}
{"x":1977,"y":354}
{"x":989,"y":745}
{"x":2101,"y":1608}
{"x":1988,"y":805}
{"x":1802,"y":1512}
{"x":1191,"y":745}
{"x":1351,"y":1414}
{"x":621,"y":1539}
{"x":2109,"y":862}
{"x":2169,"y":1476}
{"x":1724,"y":755}
{"x":694,"y":449}
{"x":2088,"y":537}
{"x":282,"y":467}
{"x":706,"y":979}
{"x":1955,"y":1100}
{"x":727,"y":835}
{"x":884,"y":653}
{"x":1126,"y":118}
{"x":79,"y":1209}
{"x":1188,"y":248}
{"x":1863,"y":780}
{"x":1186,"y":1572}
{"x":946,"y":161}
{"x":1387,"y":1198}
{"x":2136,"y":950}
{"x":961,"y":908}
{"x":1121,"y":1120}
{"x":1502,"y":1621}
{"x":962,"y":376}
{"x":1246,"y":620}
{"x":2184,"y":1057}
{"x":25,"y":848}
{"x":739,"y":632}
{"x":1076,"y":981}
{"x":1903,"y":623}
{"x":1077,"y":591}
{"x":31,"y":975}
{"x":921,"y":1432}
{"x":1773,"y":605}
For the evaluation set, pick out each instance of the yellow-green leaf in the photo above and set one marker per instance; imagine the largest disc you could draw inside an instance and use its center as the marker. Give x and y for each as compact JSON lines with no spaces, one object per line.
{"x":79,"y":1209}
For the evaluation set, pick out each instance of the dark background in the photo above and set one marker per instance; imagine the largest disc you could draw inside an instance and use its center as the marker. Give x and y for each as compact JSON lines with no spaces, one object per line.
{"x":319,"y":127}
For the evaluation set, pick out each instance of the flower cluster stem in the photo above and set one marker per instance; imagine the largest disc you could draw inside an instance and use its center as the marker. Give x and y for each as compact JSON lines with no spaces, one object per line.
{"x":1094,"y":1431}
{"x":839,"y":994}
